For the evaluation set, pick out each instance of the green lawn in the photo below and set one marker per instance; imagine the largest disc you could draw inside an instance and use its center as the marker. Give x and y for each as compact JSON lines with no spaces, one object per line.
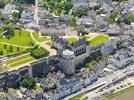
{"x":17,"y":58}
{"x":98,"y":40}
{"x":20,"y":60}
{"x":24,"y":61}
{"x":21,"y":38}
{"x":78,"y":97}
{"x":71,"y":40}
{"x":7,"y":51}
{"x":39,"y":39}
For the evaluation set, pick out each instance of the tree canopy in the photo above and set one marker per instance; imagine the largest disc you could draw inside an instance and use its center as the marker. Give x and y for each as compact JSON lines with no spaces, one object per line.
{"x":38,"y":52}
{"x":24,"y":1}
{"x":28,"y":83}
{"x":129,"y":18}
{"x":58,"y":7}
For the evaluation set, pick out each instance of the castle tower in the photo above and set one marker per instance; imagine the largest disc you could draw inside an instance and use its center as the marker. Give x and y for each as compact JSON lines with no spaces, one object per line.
{"x":30,"y":71}
{"x":67,"y":62}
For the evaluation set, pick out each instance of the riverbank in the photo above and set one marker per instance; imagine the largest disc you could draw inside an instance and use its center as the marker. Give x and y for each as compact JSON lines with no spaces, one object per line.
{"x":125,"y":94}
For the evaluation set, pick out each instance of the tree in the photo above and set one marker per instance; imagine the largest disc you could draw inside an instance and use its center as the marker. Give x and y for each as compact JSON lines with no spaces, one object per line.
{"x":97,"y":7}
{"x":1,"y":52}
{"x":8,"y":32}
{"x":28,"y":82}
{"x":15,"y":16}
{"x":11,"y":49}
{"x":58,"y":7}
{"x":119,"y":45}
{"x":72,"y":22}
{"x":24,"y":1}
{"x":30,"y":44}
{"x":45,"y":4}
{"x":112,"y":17}
{"x":68,"y":5}
{"x":5,"y":46}
{"x":129,"y":18}
{"x":18,"y":49}
{"x":38,"y":52}
{"x":81,"y":12}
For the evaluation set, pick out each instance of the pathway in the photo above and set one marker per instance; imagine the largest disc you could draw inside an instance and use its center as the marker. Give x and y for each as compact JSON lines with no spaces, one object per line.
{"x":31,"y":34}
{"x":43,"y":44}
{"x":48,"y":48}
{"x":13,"y":45}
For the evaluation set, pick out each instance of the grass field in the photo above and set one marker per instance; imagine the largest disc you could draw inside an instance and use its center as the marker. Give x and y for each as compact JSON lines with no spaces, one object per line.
{"x":39,"y":39}
{"x":19,"y":42}
{"x":99,"y":39}
{"x":112,"y":96}
{"x":7,"y":51}
{"x":78,"y":97}
{"x":20,"y":37}
{"x":20,"y":60}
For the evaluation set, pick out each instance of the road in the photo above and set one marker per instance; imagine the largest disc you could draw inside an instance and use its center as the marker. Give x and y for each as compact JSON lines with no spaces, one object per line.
{"x":108,"y":79}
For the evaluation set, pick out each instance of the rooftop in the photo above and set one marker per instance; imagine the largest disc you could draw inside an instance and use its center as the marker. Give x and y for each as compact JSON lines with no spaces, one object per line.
{"x":71,"y":40}
{"x":96,"y":39}
{"x":68,"y":53}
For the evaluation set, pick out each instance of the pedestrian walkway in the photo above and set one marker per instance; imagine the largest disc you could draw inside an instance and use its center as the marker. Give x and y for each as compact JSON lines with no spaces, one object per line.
{"x":13,"y":45}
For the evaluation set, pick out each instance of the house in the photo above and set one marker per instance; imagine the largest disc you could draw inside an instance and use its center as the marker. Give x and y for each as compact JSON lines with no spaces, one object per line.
{"x":47,"y":84}
{"x":109,"y":2}
{"x":8,"y":9}
{"x":42,"y":13}
{"x":26,"y":17}
{"x":85,"y":21}
{"x":52,"y":31}
{"x":79,"y":3}
{"x":107,"y":7}
{"x":107,"y":49}
{"x":113,"y":29}
{"x":122,"y":58}
{"x":131,"y":3}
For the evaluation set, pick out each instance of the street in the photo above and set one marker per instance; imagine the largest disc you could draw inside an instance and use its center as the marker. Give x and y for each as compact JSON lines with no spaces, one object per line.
{"x":107,"y":79}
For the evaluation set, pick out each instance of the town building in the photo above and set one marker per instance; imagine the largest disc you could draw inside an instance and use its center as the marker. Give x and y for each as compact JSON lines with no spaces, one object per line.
{"x":26,"y":17}
{"x":79,"y":3}
{"x":109,"y":2}
{"x":8,"y":9}
{"x":52,"y":31}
